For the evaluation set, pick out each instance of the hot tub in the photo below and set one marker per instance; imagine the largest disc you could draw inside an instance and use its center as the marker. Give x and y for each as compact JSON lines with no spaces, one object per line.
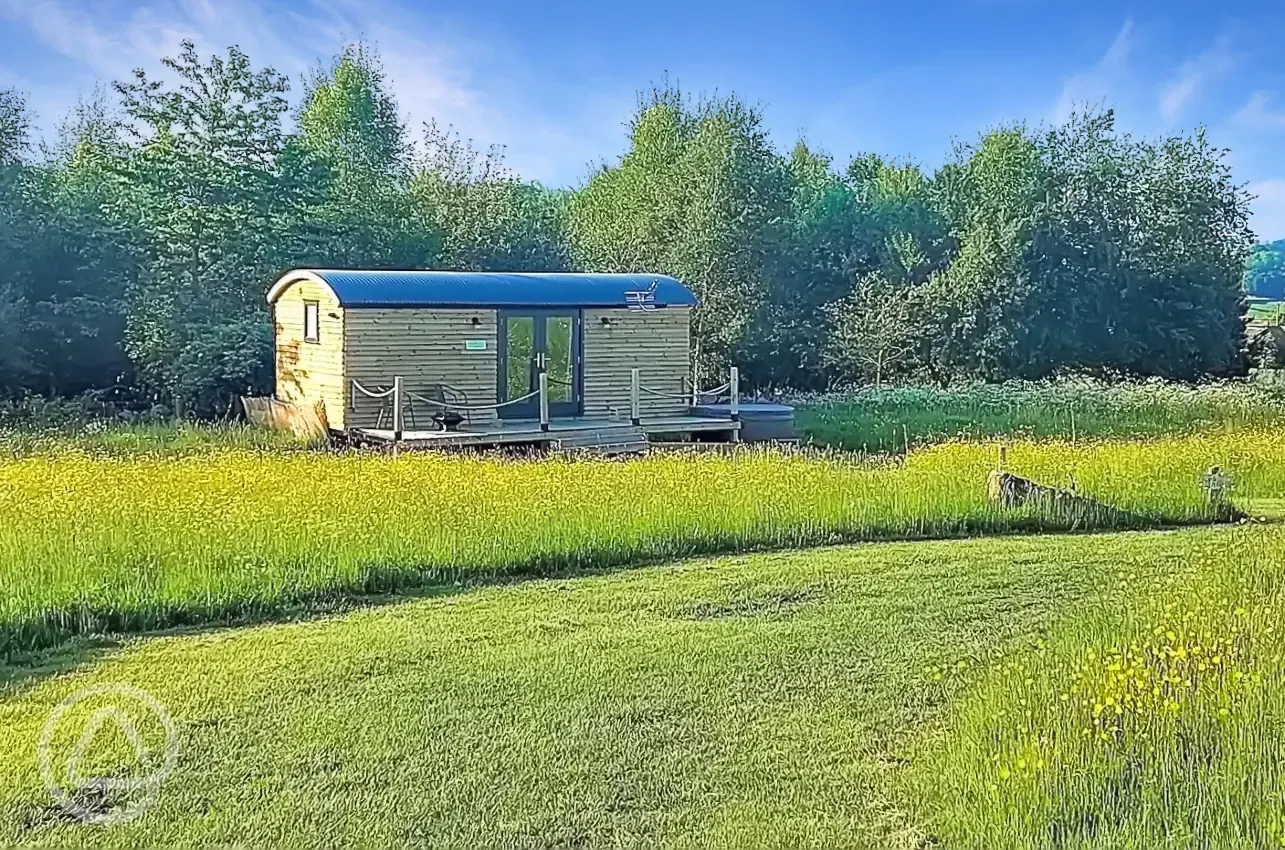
{"x":760,"y":422}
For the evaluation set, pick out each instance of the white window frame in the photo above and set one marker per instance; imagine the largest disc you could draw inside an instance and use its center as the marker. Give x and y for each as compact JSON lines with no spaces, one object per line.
{"x":312,"y":316}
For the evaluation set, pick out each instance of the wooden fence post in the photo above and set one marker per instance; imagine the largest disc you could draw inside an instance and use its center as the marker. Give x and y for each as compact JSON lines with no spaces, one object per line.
{"x":635,"y":393}
{"x":544,"y":401}
{"x":734,"y":390}
{"x":397,"y":409}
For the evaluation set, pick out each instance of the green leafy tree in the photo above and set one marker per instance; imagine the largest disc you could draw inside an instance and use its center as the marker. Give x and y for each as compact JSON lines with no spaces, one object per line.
{"x":828,"y":238}
{"x":1193,"y":243}
{"x":700,"y":195}
{"x":203,"y":189}
{"x":137,"y":251}
{"x":1133,"y":256}
{"x":875,"y":330}
{"x":490,"y":220}
{"x":15,"y":129}
{"x":986,"y":197}
{"x":1081,"y":249}
{"x":81,"y":260}
{"x":15,"y":233}
{"x":910,"y":235}
{"x":348,"y":173}
{"x":882,"y":326}
{"x":1265,"y":271}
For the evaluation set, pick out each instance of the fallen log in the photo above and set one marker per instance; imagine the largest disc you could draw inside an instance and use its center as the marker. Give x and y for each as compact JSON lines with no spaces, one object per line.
{"x":1013,"y":492}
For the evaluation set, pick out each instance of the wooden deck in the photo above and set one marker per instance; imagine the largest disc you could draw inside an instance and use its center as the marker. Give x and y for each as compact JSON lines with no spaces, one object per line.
{"x":609,"y":436}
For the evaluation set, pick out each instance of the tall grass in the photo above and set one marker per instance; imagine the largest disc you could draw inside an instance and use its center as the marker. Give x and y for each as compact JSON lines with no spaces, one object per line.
{"x":887,"y":420}
{"x":92,"y":543}
{"x":1151,"y":719}
{"x":120,"y":440}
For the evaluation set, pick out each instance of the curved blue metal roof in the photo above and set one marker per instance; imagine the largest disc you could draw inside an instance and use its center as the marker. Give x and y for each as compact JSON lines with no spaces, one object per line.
{"x":366,"y":288}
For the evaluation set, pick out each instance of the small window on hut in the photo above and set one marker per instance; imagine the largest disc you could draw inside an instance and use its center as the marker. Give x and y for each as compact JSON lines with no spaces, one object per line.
{"x":311,"y":321}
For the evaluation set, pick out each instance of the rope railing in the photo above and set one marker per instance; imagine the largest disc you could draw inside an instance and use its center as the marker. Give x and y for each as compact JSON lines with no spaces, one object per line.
{"x":683,"y":395}
{"x":358,"y":388}
{"x":400,"y":395}
{"x":472,"y":407}
{"x":369,"y":394}
{"x":733,"y":388}
{"x":658,"y":394}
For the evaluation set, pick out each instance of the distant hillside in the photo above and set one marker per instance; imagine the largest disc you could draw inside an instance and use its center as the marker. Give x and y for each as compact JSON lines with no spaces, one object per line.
{"x":1265,"y":273}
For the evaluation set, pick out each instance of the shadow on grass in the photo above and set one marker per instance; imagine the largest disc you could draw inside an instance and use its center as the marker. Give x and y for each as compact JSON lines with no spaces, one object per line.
{"x":72,"y":637}
{"x":23,"y":669}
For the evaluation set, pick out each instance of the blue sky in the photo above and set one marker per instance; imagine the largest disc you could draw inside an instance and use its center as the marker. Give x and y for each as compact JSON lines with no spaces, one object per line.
{"x":555,"y":82}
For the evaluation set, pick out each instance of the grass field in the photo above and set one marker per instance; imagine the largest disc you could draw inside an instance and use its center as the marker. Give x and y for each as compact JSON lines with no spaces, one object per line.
{"x":892,"y":419}
{"x":128,"y":543}
{"x":847,"y":697}
{"x":1152,"y":718}
{"x":467,"y":669}
{"x":170,"y":440}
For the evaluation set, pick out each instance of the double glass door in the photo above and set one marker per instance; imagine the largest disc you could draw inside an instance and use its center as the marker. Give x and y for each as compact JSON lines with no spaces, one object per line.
{"x":535,"y":342}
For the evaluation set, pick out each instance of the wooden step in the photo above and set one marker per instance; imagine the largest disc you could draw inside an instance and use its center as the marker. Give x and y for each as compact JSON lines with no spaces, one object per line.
{"x":625,"y":439}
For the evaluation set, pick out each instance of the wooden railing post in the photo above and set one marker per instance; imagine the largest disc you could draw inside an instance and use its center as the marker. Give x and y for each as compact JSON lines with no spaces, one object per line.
{"x":635,"y":394}
{"x":397,"y":408}
{"x":544,"y":401}
{"x":734,"y":389}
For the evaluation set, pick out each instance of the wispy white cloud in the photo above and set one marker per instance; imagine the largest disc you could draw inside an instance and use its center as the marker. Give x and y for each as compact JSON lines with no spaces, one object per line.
{"x":61,"y":29}
{"x":1099,"y":83}
{"x":1258,"y":112}
{"x":1192,"y":77}
{"x":435,"y":72}
{"x":1268,"y":219}
{"x":445,"y":78}
{"x":12,"y":79}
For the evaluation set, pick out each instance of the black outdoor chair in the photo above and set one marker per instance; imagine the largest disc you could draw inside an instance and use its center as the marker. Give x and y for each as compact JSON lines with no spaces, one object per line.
{"x":448,"y":417}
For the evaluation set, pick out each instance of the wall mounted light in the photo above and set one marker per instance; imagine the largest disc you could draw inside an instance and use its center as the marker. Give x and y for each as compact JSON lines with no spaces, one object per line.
{"x":476,"y":321}
{"x":606,"y":321}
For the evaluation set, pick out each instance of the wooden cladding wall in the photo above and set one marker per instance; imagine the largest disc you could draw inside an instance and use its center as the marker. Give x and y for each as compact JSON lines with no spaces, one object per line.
{"x":655,"y":341}
{"x":426,"y":348}
{"x":311,"y":372}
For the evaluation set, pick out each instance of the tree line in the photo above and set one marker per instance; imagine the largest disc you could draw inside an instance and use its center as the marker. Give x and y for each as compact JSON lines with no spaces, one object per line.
{"x":1265,"y":274}
{"x":136,"y":246}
